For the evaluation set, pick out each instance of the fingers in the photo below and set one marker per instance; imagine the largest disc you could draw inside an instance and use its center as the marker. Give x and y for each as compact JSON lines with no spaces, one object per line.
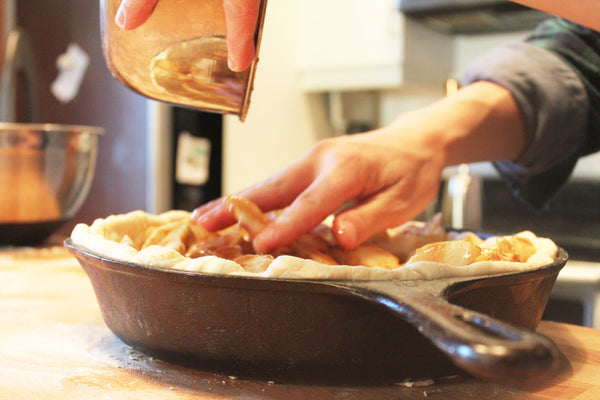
{"x":321,"y":199}
{"x":133,"y":13}
{"x":390,"y":186}
{"x":241,"y":17}
{"x":213,"y":215}
{"x":281,"y":189}
{"x":386,"y":209}
{"x":272,"y":194}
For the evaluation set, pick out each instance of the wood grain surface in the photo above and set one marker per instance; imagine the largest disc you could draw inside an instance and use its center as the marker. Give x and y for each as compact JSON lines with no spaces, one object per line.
{"x":54,"y":345}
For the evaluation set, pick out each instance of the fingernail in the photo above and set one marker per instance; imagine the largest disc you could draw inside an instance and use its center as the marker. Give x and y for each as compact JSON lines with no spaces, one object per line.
{"x":258,"y":247}
{"x":346,"y":234}
{"x":258,"y":243}
{"x":232,"y":64}
{"x":196,"y":215}
{"x":203,"y":218}
{"x":120,"y":17}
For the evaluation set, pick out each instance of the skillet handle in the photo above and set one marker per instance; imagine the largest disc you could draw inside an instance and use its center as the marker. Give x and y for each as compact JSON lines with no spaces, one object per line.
{"x":479,"y":344}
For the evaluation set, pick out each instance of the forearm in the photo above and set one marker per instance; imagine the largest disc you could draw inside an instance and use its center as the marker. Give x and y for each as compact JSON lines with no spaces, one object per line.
{"x":553,"y":101}
{"x":481,"y":122}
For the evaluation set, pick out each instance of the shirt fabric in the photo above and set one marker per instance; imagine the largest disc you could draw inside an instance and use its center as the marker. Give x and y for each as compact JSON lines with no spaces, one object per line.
{"x":554,"y":76}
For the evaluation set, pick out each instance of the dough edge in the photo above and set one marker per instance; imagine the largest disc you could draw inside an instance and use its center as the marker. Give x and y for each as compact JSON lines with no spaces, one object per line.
{"x":103,"y":235}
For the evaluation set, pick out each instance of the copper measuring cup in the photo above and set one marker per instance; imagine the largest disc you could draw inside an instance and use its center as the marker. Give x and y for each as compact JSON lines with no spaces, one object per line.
{"x":179,"y":55}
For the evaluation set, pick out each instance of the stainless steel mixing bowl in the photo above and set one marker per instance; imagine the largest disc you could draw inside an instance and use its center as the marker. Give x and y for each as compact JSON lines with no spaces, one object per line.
{"x":46,"y":171}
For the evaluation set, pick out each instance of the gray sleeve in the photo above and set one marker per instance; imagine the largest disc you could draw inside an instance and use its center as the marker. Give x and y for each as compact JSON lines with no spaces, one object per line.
{"x":552,"y":100}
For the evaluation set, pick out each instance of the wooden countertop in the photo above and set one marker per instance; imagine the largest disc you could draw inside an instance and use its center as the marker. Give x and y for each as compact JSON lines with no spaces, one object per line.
{"x":54,"y":345}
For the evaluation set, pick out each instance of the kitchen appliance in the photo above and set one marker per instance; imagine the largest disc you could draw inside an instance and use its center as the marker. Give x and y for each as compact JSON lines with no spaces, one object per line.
{"x":45,"y":175}
{"x":341,"y":330}
{"x":473,"y":16}
{"x":179,"y":55}
{"x":571,"y":219}
{"x":461,"y":200}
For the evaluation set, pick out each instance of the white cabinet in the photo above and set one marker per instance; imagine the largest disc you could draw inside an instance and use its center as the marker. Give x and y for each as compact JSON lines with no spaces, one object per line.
{"x":366,"y":44}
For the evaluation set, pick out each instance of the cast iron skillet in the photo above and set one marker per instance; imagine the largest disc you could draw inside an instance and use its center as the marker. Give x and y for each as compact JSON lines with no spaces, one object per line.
{"x":330,"y":330}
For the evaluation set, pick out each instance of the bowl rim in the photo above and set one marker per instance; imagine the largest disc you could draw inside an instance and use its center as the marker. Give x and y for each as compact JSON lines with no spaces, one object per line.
{"x":51,"y":127}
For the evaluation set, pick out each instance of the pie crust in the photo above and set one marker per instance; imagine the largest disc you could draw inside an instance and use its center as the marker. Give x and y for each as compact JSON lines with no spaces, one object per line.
{"x":122,"y":237}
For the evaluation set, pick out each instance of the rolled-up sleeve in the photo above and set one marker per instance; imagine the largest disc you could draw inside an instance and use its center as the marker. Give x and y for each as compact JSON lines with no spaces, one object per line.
{"x":554,"y":105}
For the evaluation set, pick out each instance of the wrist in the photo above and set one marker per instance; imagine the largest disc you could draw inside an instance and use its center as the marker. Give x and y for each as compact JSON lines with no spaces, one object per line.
{"x":481,"y":122}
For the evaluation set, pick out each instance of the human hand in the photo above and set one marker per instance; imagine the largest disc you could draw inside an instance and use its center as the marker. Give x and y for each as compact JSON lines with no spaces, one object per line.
{"x":240,"y":16}
{"x":390,"y":174}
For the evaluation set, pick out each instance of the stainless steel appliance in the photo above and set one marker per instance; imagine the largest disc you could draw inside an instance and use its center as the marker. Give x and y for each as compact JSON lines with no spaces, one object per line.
{"x":572,"y":220}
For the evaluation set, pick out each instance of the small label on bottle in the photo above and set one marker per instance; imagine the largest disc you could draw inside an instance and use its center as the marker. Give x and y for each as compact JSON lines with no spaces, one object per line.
{"x":193,"y":157}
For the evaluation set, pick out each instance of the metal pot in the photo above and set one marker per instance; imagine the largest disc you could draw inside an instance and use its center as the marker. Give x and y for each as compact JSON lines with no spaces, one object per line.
{"x":45,"y":174}
{"x":357,"y":331}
